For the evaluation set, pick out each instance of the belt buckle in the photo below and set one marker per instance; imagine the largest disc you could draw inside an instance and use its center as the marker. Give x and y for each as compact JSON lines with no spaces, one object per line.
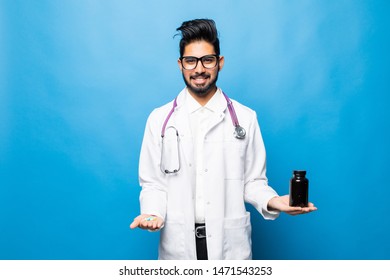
{"x":199,"y":234}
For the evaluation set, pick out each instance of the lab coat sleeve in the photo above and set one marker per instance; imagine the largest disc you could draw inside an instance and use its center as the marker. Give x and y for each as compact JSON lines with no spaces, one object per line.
{"x":257,"y":191}
{"x":153,"y":196}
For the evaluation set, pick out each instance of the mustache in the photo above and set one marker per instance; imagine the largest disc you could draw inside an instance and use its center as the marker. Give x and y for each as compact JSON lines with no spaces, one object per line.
{"x":202,"y":75}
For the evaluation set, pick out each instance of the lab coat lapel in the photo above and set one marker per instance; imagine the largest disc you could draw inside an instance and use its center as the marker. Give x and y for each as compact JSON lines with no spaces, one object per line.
{"x":219,"y":112}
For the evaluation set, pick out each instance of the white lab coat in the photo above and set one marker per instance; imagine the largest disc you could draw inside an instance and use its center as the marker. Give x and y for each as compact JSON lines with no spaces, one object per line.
{"x":234,"y":172}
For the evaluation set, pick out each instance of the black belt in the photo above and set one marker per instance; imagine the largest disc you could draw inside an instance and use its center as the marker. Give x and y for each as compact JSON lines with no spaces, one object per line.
{"x":201,"y":244}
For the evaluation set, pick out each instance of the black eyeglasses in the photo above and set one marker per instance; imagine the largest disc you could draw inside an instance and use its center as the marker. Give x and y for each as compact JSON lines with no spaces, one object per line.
{"x":191,"y":62}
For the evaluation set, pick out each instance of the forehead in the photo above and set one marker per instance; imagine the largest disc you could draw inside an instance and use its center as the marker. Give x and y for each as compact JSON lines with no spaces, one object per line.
{"x":198,"y":49}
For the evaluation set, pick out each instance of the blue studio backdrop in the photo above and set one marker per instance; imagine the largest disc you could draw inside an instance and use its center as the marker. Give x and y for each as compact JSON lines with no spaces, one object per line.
{"x":79,"y":78}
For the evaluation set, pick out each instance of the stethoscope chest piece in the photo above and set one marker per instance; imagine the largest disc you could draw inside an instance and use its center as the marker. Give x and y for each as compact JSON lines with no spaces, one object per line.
{"x":239,"y":132}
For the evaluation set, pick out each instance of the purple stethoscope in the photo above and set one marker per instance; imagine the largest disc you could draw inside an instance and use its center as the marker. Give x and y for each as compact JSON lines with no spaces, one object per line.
{"x":239,"y":133}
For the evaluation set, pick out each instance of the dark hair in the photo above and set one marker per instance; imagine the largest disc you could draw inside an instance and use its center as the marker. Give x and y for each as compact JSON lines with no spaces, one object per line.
{"x":197,"y":30}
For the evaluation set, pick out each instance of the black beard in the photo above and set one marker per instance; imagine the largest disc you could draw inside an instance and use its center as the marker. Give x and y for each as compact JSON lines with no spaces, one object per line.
{"x":201,"y":91}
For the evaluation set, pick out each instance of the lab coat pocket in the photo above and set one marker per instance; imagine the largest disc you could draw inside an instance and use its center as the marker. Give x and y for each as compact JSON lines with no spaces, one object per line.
{"x":172,"y":239}
{"x":237,"y":238}
{"x":234,"y":153}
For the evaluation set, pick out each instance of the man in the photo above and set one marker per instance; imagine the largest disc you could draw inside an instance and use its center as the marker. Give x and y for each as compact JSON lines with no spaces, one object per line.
{"x":202,"y":158}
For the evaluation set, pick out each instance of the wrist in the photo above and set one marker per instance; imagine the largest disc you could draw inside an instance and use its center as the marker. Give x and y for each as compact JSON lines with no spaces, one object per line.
{"x":271,"y":205}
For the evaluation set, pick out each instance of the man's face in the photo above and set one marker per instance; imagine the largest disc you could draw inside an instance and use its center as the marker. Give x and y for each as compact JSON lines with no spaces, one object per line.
{"x":200,"y":81}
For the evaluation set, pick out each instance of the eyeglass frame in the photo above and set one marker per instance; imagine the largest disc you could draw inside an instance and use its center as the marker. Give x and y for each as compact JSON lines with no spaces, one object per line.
{"x":201,"y":61}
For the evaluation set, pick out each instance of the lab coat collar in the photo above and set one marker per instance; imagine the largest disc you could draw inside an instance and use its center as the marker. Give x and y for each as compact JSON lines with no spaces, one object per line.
{"x":191,"y":104}
{"x":216,"y":104}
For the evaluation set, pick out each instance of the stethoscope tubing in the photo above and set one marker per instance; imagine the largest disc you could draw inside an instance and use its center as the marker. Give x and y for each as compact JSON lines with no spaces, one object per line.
{"x":168,"y":117}
{"x":232,"y":112}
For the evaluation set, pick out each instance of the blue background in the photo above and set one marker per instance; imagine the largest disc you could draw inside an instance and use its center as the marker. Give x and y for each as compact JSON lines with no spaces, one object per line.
{"x":79,"y":78}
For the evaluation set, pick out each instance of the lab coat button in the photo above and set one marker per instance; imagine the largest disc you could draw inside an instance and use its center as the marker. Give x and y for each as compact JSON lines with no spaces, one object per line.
{"x":206,"y":170}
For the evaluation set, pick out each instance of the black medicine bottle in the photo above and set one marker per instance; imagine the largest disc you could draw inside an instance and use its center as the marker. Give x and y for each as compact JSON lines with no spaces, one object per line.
{"x":299,"y":189}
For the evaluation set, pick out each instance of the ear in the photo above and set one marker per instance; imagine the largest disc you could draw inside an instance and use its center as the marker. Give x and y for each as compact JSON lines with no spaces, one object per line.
{"x":179,"y":64}
{"x":221,"y":62}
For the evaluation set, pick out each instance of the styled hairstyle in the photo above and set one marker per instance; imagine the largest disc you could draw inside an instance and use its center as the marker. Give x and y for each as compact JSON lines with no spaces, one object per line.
{"x":198,"y":30}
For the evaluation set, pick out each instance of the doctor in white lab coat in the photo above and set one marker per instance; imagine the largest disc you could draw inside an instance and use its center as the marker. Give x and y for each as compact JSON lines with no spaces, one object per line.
{"x":217,"y":172}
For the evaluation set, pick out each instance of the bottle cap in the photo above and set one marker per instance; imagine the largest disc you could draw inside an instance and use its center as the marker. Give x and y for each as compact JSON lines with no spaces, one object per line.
{"x":300,"y":172}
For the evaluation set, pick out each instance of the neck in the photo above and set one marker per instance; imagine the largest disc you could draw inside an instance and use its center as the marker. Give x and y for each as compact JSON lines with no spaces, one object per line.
{"x":203,"y":99}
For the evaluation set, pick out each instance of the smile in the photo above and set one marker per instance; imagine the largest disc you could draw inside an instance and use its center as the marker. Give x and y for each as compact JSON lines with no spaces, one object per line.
{"x":199,"y":79}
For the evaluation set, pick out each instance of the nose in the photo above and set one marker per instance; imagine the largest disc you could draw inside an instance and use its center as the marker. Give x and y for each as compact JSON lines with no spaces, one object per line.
{"x":199,"y":67}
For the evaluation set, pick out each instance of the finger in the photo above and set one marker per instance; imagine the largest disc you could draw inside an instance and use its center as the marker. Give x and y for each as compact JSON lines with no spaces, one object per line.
{"x":155,"y":226}
{"x":147,"y":224}
{"x":293,"y":208}
{"x":138,"y":221}
{"x":144,"y":224}
{"x":297,"y":210}
{"x":306,"y":210}
{"x":160,"y":223}
{"x":135,"y":223}
{"x":150,"y":224}
{"x":310,"y":208}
